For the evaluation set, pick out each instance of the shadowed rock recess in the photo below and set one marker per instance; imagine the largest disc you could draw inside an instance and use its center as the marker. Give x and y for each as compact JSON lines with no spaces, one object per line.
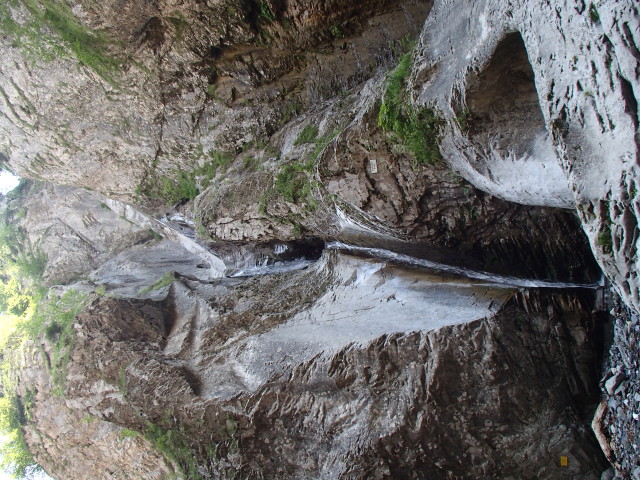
{"x":325,"y":239}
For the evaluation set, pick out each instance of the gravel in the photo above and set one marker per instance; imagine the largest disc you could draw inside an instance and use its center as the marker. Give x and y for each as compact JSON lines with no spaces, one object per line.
{"x":620,"y":422}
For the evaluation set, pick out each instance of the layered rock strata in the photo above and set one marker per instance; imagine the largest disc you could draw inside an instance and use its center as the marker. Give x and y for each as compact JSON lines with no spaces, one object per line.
{"x":351,"y":368}
{"x":544,"y":113}
{"x":506,"y":395}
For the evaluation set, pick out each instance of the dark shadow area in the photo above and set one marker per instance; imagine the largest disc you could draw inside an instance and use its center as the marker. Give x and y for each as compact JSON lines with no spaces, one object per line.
{"x":503,"y":101}
{"x":193,"y":380}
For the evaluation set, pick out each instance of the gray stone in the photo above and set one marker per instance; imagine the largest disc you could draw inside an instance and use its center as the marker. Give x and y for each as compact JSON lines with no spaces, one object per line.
{"x":550,"y":108}
{"x":613,"y":383}
{"x":608,"y":474}
{"x":621,"y":389}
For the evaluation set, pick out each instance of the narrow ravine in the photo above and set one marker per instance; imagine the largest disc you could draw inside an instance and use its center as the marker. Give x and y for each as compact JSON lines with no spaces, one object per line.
{"x":436,"y":267}
{"x":280,"y":257}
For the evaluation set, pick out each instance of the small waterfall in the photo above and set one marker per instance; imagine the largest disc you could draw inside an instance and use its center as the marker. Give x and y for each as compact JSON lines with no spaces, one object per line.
{"x":490,"y":278}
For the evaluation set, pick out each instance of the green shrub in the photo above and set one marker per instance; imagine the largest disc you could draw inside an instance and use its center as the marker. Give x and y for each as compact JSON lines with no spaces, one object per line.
{"x":28,"y":314}
{"x":15,"y":298}
{"x":336,"y":31}
{"x":57,"y":310}
{"x":265,"y":12}
{"x":165,"y":280}
{"x":219,"y":160}
{"x":32,"y":262}
{"x":53,"y":320}
{"x":392,"y":101}
{"x":128,"y":433}
{"x":320,"y":144}
{"x":593,"y":13}
{"x":15,"y":456}
{"x":53,"y":331}
{"x":173,"y":444}
{"x":419,"y":130}
{"x":307,"y":135}
{"x":604,"y":239}
{"x":17,"y":252}
{"x":185,"y":185}
{"x":464,"y":120}
{"x":289,"y":111}
{"x":292,"y":183}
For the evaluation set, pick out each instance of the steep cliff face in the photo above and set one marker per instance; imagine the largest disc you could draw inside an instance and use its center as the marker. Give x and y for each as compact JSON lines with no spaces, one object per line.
{"x":244,"y":134}
{"x":353,"y":368}
{"x":205,"y":95}
{"x":451,"y":402}
{"x":73,"y":229}
{"x":177,"y":82}
{"x":544,"y":113}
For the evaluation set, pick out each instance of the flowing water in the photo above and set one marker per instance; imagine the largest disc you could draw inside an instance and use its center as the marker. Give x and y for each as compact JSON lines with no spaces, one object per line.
{"x":237,"y":260}
{"x":489,"y":278}
{"x":376,"y":286}
{"x":281,"y":261}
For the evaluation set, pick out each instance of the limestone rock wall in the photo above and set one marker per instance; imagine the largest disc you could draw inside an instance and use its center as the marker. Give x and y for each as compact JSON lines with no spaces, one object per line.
{"x":544,"y":112}
{"x":73,"y":228}
{"x":506,"y":395}
{"x":193,"y":79}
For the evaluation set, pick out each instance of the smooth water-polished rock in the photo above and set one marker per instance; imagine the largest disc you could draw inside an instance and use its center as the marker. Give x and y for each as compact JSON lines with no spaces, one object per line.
{"x":544,"y":112}
{"x":345,"y":370}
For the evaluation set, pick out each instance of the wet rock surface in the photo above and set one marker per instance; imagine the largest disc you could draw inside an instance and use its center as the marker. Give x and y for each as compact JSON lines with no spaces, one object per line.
{"x":454,"y":402}
{"x":342,"y":367}
{"x":541,"y":113}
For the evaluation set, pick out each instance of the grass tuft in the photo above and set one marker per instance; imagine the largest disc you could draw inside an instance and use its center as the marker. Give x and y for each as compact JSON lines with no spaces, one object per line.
{"x":418,"y":130}
{"x":164,"y":281}
{"x":185,"y":185}
{"x":593,"y":13}
{"x":265,"y":13}
{"x":173,"y":444}
{"x":604,"y":239}
{"x":292,"y":182}
{"x":307,"y":135}
{"x":52,"y":30}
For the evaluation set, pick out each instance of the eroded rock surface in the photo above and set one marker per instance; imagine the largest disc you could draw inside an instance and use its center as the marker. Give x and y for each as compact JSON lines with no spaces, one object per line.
{"x":351,"y":367}
{"x":505,"y":395}
{"x":544,"y":113}
{"x":73,"y":228}
{"x":195,"y":79}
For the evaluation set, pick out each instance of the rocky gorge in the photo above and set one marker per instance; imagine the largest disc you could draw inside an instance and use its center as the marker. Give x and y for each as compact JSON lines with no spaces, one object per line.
{"x":293,"y":239}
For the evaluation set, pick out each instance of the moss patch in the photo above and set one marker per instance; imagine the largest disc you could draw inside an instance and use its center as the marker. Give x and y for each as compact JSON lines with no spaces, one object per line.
{"x":52,"y":31}
{"x":417,"y":129}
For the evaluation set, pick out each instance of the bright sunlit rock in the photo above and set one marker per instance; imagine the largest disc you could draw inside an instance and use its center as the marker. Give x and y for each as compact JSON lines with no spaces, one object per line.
{"x":8,"y":181}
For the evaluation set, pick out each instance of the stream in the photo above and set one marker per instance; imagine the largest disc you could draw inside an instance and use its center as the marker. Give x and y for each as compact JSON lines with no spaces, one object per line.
{"x":371,"y":287}
{"x":276,"y":258}
{"x":180,"y":252}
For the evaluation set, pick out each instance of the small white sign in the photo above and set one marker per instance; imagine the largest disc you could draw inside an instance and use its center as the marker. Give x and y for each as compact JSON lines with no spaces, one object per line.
{"x":373,"y":165}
